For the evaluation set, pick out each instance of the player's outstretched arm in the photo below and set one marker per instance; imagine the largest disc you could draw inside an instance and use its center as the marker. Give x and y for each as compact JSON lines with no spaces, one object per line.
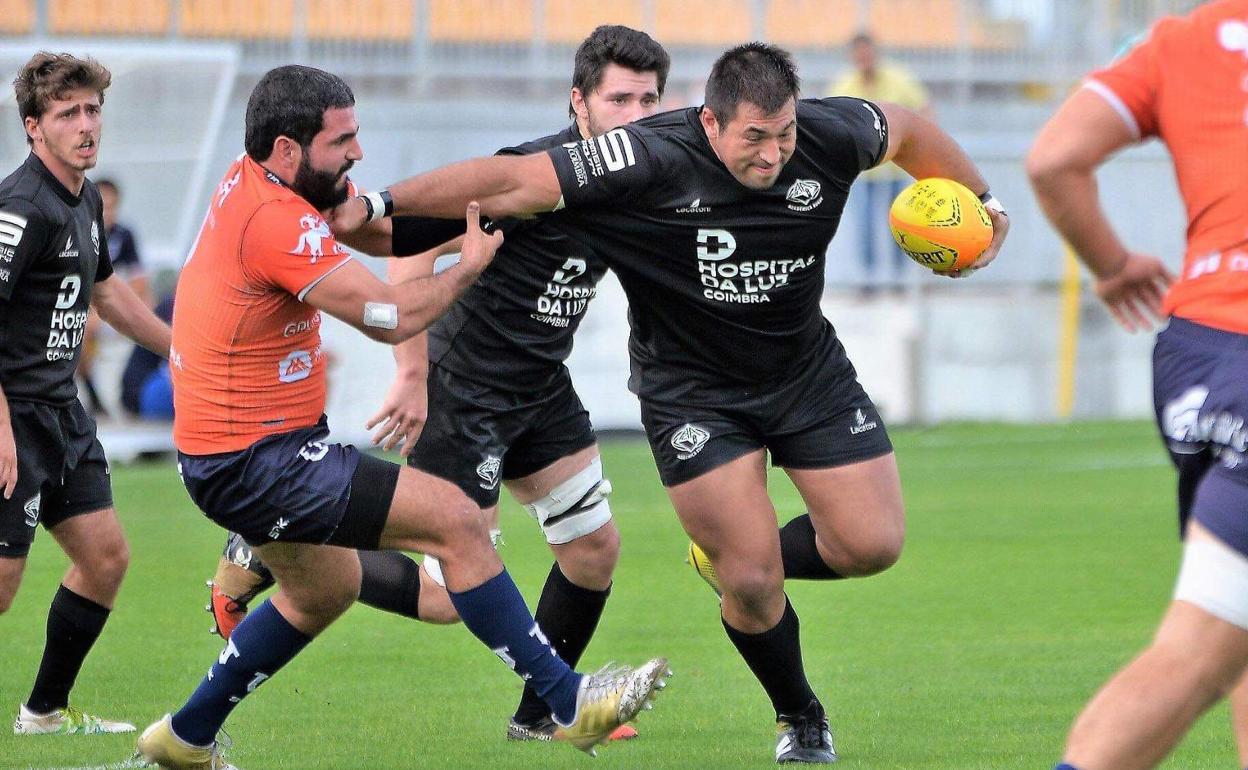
{"x":1062,"y":165}
{"x":923,"y":149}
{"x":126,"y":312}
{"x":394,"y":313}
{"x":8,"y":450}
{"x":517,"y":185}
{"x":402,"y":415}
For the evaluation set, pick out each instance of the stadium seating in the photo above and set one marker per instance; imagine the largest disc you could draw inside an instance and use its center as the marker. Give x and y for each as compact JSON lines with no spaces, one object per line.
{"x":480,"y":21}
{"x":702,"y":22}
{"x":376,"y":20}
{"x":108,"y":17}
{"x":242,"y":19}
{"x":17,"y":17}
{"x":810,"y":23}
{"x":911,"y":24}
{"x":569,"y":21}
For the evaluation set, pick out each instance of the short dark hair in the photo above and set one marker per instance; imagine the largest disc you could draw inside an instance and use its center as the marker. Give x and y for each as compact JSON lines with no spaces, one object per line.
{"x":862,"y":38}
{"x":48,"y":76}
{"x":617,"y":44}
{"x":109,"y":184}
{"x":291,"y":101}
{"x":754,"y":73}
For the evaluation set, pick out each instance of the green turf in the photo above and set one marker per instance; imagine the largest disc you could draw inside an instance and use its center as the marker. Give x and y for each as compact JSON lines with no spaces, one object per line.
{"x":1038,"y":560}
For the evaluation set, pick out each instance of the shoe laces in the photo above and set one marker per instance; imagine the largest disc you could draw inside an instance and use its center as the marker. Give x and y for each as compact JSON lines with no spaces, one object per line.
{"x":811,"y":732}
{"x":605,"y":680}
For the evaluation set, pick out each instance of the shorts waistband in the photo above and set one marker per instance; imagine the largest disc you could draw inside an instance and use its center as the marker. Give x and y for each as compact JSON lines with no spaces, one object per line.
{"x":1206,"y":335}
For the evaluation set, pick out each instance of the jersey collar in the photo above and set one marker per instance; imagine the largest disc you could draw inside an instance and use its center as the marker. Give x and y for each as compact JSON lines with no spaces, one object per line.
{"x":33,"y":162}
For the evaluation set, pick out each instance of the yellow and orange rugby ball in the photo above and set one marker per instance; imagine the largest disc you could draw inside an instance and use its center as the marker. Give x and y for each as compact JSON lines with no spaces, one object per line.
{"x":940,"y":224}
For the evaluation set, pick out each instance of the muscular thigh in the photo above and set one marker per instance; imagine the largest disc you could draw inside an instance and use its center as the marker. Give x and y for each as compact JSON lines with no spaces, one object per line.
{"x":853,"y":502}
{"x":728,"y":513}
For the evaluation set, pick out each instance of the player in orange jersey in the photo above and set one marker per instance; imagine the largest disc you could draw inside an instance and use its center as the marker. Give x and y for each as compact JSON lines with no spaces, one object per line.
{"x":253,"y":449}
{"x":1187,"y":84}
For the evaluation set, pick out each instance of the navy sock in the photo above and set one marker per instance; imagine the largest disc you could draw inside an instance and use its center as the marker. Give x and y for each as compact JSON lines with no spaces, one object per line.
{"x":568,"y":614}
{"x":263,"y":643}
{"x":74,"y":623}
{"x":496,"y":614}
{"x":1065,"y":766}
{"x":800,"y":554}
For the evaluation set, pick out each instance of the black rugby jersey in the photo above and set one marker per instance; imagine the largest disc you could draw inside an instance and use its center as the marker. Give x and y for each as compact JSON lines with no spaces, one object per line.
{"x":513,"y":328}
{"x":52,"y":252}
{"x":723,"y":281}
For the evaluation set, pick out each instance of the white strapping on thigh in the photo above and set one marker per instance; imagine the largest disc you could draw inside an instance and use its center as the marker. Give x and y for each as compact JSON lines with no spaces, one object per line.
{"x":1214,"y":577}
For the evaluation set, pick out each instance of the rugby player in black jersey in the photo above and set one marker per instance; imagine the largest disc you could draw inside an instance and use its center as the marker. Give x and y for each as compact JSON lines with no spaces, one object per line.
{"x":54,"y":265}
{"x":500,"y":405}
{"x":731,"y":355}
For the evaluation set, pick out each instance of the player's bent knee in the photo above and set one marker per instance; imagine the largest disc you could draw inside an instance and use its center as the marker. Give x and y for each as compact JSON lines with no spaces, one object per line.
{"x":108,"y":563}
{"x":589,"y":561}
{"x":877,"y":556}
{"x":1214,"y":577}
{"x":752,"y":585}
{"x":575,"y":508}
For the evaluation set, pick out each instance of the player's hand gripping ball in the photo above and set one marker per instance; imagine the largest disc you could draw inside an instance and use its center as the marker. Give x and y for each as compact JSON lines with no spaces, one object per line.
{"x":940,"y":224}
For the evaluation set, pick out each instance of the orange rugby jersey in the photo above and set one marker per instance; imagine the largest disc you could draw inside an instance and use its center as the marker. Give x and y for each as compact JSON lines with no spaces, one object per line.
{"x":246,"y":358}
{"x":1187,"y":84}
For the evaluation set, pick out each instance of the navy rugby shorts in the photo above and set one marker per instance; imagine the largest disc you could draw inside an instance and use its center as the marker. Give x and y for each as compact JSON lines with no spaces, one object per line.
{"x":1201,"y":405}
{"x":294,"y":487}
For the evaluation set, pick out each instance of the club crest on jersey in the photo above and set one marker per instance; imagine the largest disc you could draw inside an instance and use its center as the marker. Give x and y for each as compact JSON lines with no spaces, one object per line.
{"x":95,"y":237}
{"x":297,"y":365}
{"x":804,"y":195}
{"x":31,"y":508}
{"x":311,"y":240}
{"x":689,"y":440}
{"x":488,"y":471}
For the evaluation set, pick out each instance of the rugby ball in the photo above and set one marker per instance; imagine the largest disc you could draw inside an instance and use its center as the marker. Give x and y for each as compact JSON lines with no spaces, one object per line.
{"x":940,"y":224}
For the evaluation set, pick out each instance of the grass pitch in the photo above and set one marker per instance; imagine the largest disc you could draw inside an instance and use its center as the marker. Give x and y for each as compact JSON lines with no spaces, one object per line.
{"x":1038,"y":561}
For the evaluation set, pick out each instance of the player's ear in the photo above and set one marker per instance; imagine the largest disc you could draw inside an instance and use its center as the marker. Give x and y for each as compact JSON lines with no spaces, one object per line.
{"x":286,"y":151}
{"x":578,"y":104}
{"x":709,"y":123}
{"x":32,"y":128}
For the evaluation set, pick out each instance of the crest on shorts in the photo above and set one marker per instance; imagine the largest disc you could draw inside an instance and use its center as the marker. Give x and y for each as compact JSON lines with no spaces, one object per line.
{"x":804,"y":195}
{"x":488,"y":471}
{"x":689,"y":440}
{"x":1180,"y":420}
{"x":32,"y":511}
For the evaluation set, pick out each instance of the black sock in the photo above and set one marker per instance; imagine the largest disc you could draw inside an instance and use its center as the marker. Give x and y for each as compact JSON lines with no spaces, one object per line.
{"x":568,"y":615}
{"x":74,"y":623}
{"x":390,"y":581}
{"x":775,"y":657}
{"x":800,"y":554}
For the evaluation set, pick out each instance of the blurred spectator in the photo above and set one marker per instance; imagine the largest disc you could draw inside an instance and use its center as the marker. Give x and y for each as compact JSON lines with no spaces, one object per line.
{"x":123,"y":250}
{"x":875,"y":190}
{"x":146,"y":388}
